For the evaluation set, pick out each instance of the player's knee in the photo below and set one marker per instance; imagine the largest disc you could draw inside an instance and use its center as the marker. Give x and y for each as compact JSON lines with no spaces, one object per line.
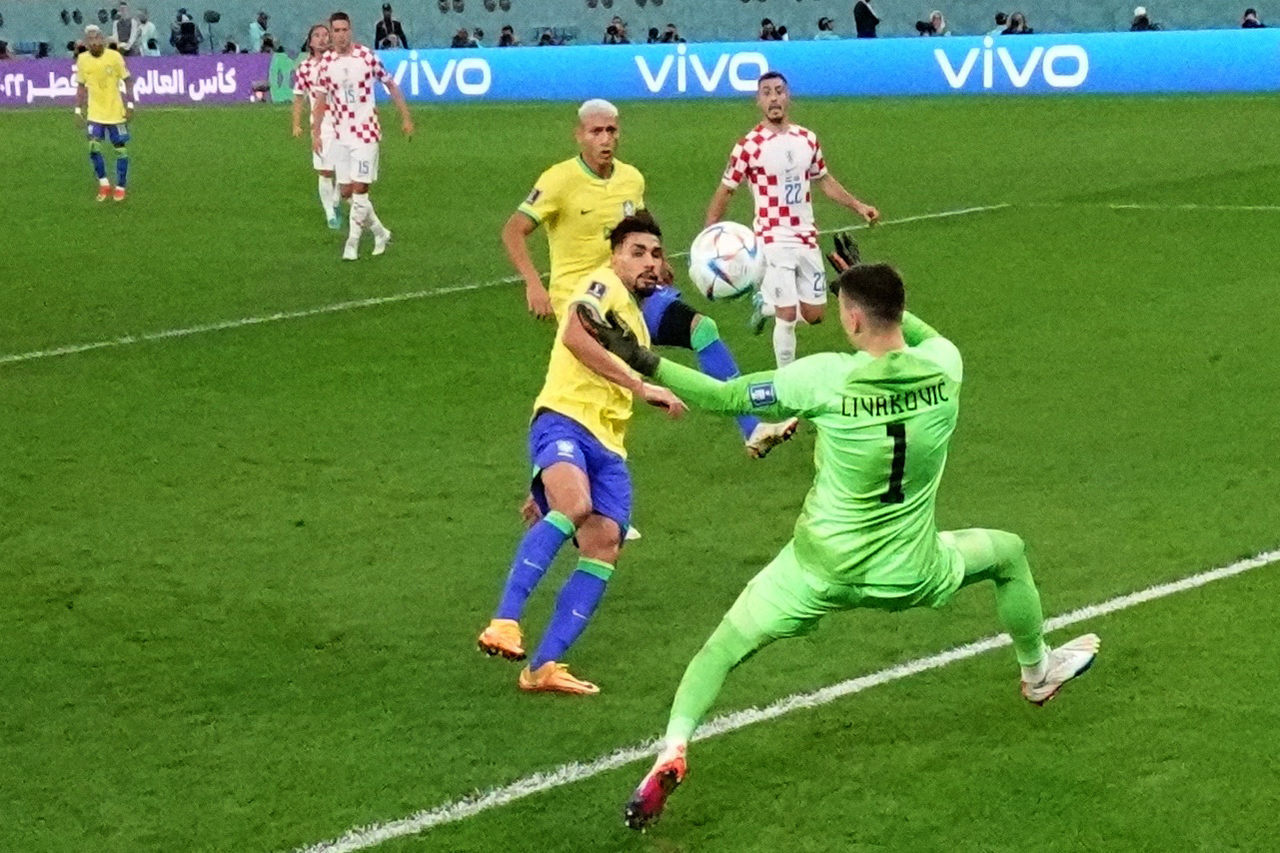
{"x":1009,"y":548}
{"x":576,"y":508}
{"x":95,"y":147}
{"x":785,"y":313}
{"x":704,"y":333}
{"x":121,"y":151}
{"x":603,"y":549}
{"x":812,"y":314}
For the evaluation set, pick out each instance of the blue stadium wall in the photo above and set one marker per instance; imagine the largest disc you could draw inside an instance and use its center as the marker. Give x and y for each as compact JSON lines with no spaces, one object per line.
{"x":27,"y":21}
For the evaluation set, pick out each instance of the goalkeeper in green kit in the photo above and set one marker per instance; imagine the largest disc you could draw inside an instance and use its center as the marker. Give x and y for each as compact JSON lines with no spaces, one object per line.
{"x":884,"y":415}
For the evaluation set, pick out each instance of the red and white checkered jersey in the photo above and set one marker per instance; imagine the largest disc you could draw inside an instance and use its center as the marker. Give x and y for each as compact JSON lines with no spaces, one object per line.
{"x":779,"y":167}
{"x":304,"y":83}
{"x":347,"y":81}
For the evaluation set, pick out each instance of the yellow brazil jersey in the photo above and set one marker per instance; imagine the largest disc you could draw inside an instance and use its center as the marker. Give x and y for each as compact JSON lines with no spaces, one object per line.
{"x":579,"y":209}
{"x":575,"y":390}
{"x":101,"y":75}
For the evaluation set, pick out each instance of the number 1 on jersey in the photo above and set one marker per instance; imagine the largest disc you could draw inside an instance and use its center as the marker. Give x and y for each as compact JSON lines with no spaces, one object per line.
{"x":894,"y":495}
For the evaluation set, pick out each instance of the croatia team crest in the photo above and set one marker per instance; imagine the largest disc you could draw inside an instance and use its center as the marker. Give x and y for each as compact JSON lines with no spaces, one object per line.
{"x":628,"y":208}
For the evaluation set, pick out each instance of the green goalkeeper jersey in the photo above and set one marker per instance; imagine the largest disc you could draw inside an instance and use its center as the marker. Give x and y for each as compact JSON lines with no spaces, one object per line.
{"x":883,"y":427}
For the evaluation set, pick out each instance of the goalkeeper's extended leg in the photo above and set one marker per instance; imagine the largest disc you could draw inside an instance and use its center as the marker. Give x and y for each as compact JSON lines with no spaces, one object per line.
{"x":727,"y":647}
{"x":1001,"y":557}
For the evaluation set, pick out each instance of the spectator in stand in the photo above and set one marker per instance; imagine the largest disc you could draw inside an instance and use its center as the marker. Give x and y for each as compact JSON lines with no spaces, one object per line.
{"x":124,"y":32}
{"x":865,"y":19}
{"x":935,"y":26}
{"x":1017,"y":26}
{"x":1250,"y":20}
{"x":230,"y":47}
{"x":1002,"y":21}
{"x":826,"y":29}
{"x":148,"y":40}
{"x":1142,"y":22}
{"x":616,"y":32}
{"x":388,"y":26}
{"x":4,"y":51}
{"x":462,"y":38}
{"x":184,"y":35}
{"x":258,"y":32}
{"x":768,"y":32}
{"x":783,"y":35}
{"x":477,"y":37}
{"x":671,"y":35}
{"x":546,"y":38}
{"x":655,"y":36}
{"x":507,"y":38}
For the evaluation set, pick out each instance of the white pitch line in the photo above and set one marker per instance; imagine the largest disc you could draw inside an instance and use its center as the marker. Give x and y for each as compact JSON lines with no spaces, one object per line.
{"x":372,"y":302}
{"x":362,"y":838}
{"x":1156,"y":206}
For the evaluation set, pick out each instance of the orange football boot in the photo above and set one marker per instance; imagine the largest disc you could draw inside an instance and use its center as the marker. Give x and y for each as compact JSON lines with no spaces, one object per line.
{"x":502,"y":637}
{"x":554,"y":677}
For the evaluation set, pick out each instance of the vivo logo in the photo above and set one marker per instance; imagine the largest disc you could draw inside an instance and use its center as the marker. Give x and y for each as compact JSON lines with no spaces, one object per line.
{"x":1063,"y":66}
{"x":470,"y":76}
{"x":707,"y":79}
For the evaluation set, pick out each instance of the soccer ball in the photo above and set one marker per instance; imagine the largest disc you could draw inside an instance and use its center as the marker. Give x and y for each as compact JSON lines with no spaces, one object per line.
{"x":726,"y":260}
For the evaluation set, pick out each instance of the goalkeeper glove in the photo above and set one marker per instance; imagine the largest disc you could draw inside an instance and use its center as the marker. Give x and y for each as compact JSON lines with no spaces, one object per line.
{"x":845,"y":254}
{"x":616,"y":336}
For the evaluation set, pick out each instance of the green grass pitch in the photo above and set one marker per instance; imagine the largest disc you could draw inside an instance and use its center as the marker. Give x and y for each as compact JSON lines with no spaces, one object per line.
{"x":241,"y":571}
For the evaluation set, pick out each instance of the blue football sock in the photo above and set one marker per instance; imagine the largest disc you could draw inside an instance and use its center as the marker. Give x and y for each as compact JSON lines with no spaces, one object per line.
{"x":122,"y":166}
{"x":716,"y":361}
{"x":579,"y":598}
{"x":536,"y":552}
{"x":99,"y":164}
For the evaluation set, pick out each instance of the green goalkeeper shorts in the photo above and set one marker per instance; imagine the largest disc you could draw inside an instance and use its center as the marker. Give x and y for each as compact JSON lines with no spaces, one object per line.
{"x":785,"y":600}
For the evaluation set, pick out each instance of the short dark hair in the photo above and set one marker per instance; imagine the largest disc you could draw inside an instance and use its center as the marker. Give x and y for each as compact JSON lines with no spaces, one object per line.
{"x":877,"y":288}
{"x":772,"y":75}
{"x":1001,"y":18}
{"x":640,"y":222}
{"x":339,"y":16}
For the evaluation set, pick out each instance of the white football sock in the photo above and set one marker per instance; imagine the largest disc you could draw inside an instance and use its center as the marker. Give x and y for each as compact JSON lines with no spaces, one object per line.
{"x":328,"y":195}
{"x":375,"y":224}
{"x":358,"y":215}
{"x":784,"y":341}
{"x":1036,"y":674}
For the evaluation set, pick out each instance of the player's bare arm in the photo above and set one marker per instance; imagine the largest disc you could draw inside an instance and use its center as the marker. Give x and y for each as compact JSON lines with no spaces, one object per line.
{"x":835,"y":191}
{"x":82,"y":102}
{"x":719,"y":204}
{"x":128,"y":98}
{"x":317,"y":116}
{"x":515,"y":235}
{"x":397,"y":97}
{"x":298,"y":101}
{"x":590,"y":352}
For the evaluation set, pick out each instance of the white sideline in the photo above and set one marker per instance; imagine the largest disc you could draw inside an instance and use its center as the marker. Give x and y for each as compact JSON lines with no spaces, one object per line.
{"x":1157,"y":206}
{"x":372,"y":302}
{"x":364,"y":837}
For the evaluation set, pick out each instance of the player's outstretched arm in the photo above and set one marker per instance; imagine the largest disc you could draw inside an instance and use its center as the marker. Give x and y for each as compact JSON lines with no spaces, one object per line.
{"x":916,"y":331}
{"x":835,"y":191}
{"x":592,"y":352}
{"x":734,"y":397}
{"x":719,"y":204}
{"x":515,"y":236}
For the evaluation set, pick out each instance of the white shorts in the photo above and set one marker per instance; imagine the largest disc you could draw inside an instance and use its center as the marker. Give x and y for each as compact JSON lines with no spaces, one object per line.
{"x":793,"y":274}
{"x":355,"y":164}
{"x":323,"y":162}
